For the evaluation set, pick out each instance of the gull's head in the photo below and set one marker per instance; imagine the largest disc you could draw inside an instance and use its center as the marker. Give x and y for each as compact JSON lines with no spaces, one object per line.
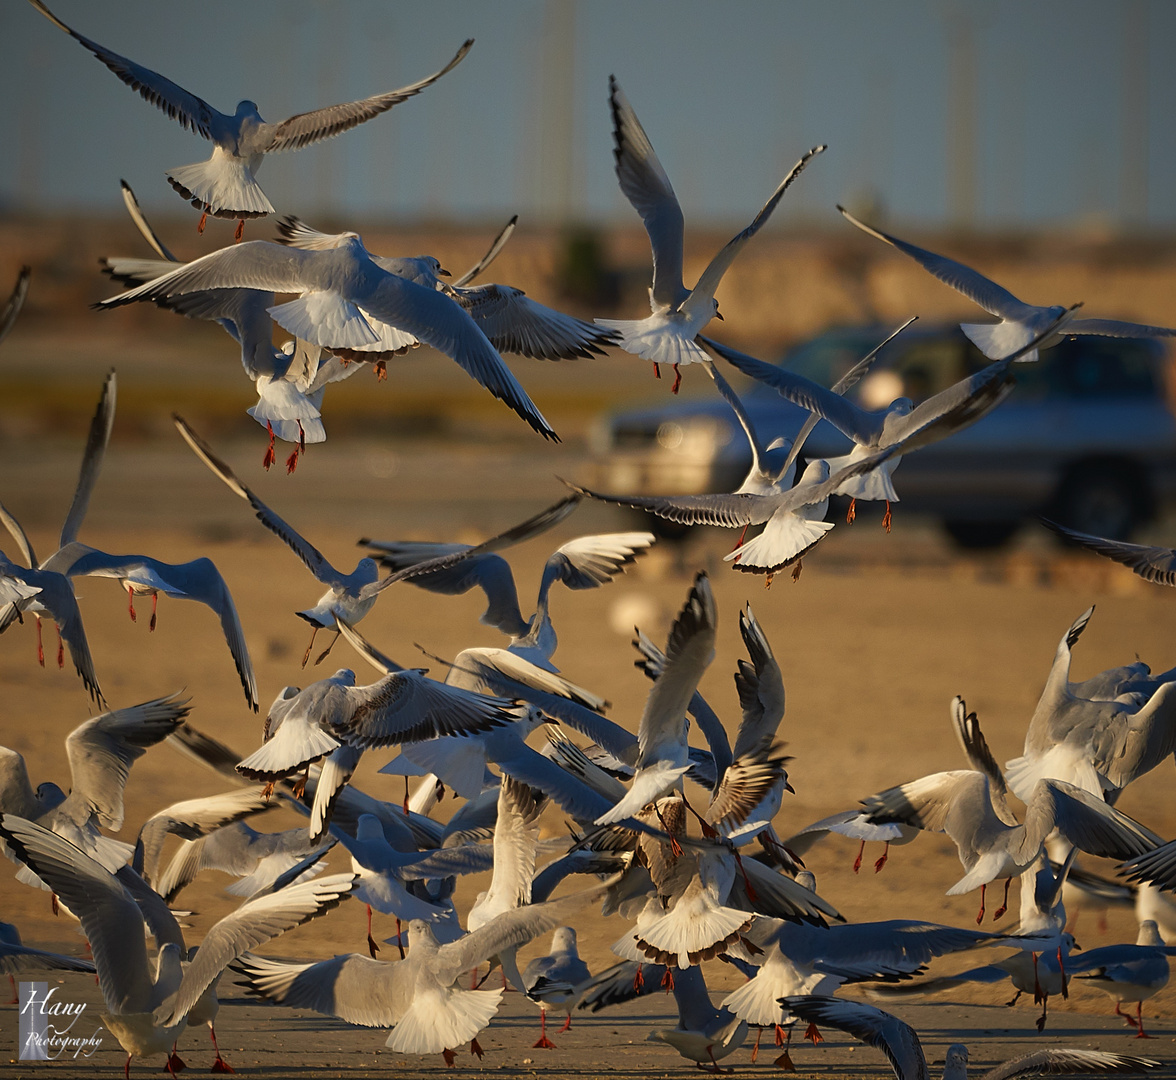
{"x":247,"y":108}
{"x":718,"y":313}
{"x":368,"y":828}
{"x":343,"y":677}
{"x":564,"y":939}
{"x":367,"y":570}
{"x":50,"y":795}
{"x":955,"y":1062}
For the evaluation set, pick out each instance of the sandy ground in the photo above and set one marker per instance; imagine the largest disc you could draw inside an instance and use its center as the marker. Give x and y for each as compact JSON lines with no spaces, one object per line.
{"x":875,"y":639}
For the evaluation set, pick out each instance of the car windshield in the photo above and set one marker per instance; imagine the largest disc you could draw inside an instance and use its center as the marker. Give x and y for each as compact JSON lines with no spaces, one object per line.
{"x":917,"y":365}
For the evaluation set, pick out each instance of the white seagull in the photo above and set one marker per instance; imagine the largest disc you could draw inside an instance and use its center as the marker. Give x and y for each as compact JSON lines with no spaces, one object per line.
{"x":335,"y":287}
{"x":1019,"y":322}
{"x":351,"y":596}
{"x":224,"y":185}
{"x":148,"y":1005}
{"x":667,"y":336}
{"x":512,"y":321}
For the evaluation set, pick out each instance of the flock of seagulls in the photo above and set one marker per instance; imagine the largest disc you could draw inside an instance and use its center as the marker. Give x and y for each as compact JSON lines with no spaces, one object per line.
{"x":693,"y":879}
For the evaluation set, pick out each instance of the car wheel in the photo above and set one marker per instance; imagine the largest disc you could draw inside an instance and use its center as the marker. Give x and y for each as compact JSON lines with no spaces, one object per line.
{"x":979,"y":535}
{"x":1103,"y":499}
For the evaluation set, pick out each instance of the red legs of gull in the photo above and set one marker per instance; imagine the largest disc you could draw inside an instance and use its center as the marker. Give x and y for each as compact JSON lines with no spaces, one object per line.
{"x":299,"y":448}
{"x":813,"y":1035}
{"x":851,"y":513}
{"x":219,"y":1065}
{"x":638,"y":980}
{"x":1004,"y":904}
{"x":882,"y":861}
{"x":449,"y":1057}
{"x":675,"y":847}
{"x":667,"y":983}
{"x":475,"y":1048}
{"x":154,"y":604}
{"x":131,"y":603}
{"x":857,"y":863}
{"x":240,"y":231}
{"x":886,"y":519}
{"x":381,"y":367}
{"x":40,"y":647}
{"x":1010,"y":1004}
{"x":270,"y":456}
{"x":399,"y":940}
{"x":268,"y":790}
{"x":739,"y":544}
{"x":755,"y":1049}
{"x":1044,"y":1012}
{"x":656,"y":371}
{"x":474,"y":984}
{"x":60,"y":647}
{"x":373,"y":948}
{"x":53,"y":905}
{"x":797,"y":569}
{"x":323,"y":655}
{"x":768,"y":579}
{"x":677,"y":380}
{"x":406,"y":796}
{"x":1038,"y":993}
{"x":1138,"y":1018}
{"x":1062,"y":970}
{"x":127,"y":1068}
{"x":567,"y":1022}
{"x":714,"y":1066}
{"x":174,"y":1062}
{"x":200,"y":227}
{"x":299,"y":788}
{"x":1127,"y":1018}
{"x":15,"y":999}
{"x":980,"y":914}
{"x":543,"y":1043}
{"x":784,"y":1061}
{"x":306,"y":655}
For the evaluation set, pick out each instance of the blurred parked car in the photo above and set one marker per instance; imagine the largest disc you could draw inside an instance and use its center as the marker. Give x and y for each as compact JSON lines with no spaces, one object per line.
{"x":1086,"y":437}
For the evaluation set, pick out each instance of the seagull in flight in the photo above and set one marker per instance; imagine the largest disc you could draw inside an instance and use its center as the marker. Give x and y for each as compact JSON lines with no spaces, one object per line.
{"x":667,"y":336}
{"x":351,"y":596}
{"x":1019,"y":322}
{"x":224,"y":185}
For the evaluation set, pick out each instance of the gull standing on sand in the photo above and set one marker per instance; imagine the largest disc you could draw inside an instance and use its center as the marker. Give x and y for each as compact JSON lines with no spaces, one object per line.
{"x":1128,"y":972}
{"x":224,"y":185}
{"x":1019,"y":322}
{"x":667,"y":336}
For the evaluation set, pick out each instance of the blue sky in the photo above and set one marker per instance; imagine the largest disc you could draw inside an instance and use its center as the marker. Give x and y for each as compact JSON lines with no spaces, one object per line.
{"x":1071,"y":119}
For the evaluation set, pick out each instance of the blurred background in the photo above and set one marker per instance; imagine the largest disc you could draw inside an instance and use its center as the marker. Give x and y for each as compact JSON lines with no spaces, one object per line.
{"x":1032,"y":143}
